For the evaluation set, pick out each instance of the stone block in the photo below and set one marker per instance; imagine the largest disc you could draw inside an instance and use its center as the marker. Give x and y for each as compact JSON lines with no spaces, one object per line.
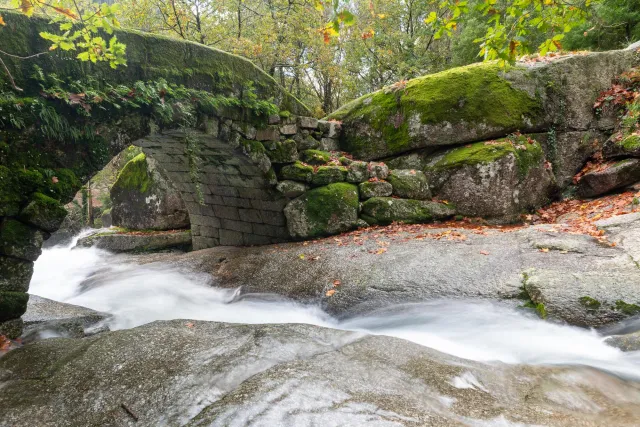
{"x":15,"y":274}
{"x":250,"y":215}
{"x":308,"y":122}
{"x":241,"y":226}
{"x":20,"y":240}
{"x":270,"y":133}
{"x":288,"y":130}
{"x":235,"y":201}
{"x":273,"y":218}
{"x":209,"y":232}
{"x":225,"y":191}
{"x":231,"y":238}
{"x":226,"y":212}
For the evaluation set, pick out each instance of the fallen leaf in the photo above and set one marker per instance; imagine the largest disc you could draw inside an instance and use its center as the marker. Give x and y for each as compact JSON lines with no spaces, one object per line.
{"x":54,"y":179}
{"x":189,"y":325}
{"x":484,"y":252}
{"x":544,"y":250}
{"x":330,"y":292}
{"x":336,"y":283}
{"x":301,"y":256}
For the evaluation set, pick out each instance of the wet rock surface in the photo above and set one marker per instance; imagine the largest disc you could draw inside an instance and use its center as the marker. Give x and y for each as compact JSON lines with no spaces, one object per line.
{"x":562,"y":272}
{"x":204,"y":373}
{"x":143,"y":242}
{"x":46,"y":318}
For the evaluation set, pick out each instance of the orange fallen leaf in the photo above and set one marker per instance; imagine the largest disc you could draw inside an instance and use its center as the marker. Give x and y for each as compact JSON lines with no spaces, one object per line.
{"x":330,"y":292}
{"x":484,"y":252}
{"x":544,"y":250}
{"x":189,"y":325}
{"x":337,"y":283}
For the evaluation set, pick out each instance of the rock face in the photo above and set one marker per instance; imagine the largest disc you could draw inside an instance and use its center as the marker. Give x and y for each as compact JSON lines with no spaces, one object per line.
{"x":115,"y":241}
{"x":45,"y":318}
{"x":533,"y":266}
{"x":492,"y":179}
{"x":327,"y":210}
{"x":615,"y":175}
{"x":409,"y":184}
{"x":204,"y":373}
{"x":144,"y":199}
{"x":385,"y":210}
{"x":480,"y":102}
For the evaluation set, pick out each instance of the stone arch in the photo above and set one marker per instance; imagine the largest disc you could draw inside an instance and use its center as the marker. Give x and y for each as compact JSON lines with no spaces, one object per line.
{"x":226,"y":182}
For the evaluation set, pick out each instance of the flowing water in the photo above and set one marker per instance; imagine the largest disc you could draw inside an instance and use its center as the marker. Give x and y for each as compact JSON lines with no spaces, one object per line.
{"x":477,"y":330}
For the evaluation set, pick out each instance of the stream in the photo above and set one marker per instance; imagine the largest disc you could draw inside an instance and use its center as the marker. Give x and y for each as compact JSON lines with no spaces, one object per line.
{"x":476,"y":330}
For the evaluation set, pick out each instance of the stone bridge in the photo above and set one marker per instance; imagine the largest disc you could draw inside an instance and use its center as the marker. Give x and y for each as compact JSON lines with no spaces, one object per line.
{"x":253,"y":168}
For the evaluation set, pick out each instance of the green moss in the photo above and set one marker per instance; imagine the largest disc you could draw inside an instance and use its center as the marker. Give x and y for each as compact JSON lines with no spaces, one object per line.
{"x":283,"y":152}
{"x":590,"y":303}
{"x":385,"y":210}
{"x":473,"y":94}
{"x":539,"y":308}
{"x":630,"y":143}
{"x":329,"y":174}
{"x":315,"y":157}
{"x":44,"y":212}
{"x":325,"y":205}
{"x":627,"y":309}
{"x":297,"y":172}
{"x":528,"y":154}
{"x":13,"y":304}
{"x":134,"y":175}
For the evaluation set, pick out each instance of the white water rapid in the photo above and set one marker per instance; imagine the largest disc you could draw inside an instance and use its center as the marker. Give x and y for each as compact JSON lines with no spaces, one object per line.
{"x":482,"y":331}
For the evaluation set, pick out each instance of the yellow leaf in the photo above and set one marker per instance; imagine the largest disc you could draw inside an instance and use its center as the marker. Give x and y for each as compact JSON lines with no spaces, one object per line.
{"x":330,"y":292}
{"x":544,"y":250}
{"x":2,"y":20}
{"x":301,"y":256}
{"x":26,"y":7}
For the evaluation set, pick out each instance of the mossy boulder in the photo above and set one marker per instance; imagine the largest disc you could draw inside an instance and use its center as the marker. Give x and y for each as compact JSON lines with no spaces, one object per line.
{"x":494,"y":179}
{"x":375,"y":189}
{"x":455,"y":106}
{"x":328,"y":175}
{"x":409,"y":184}
{"x":298,"y":171}
{"x":315,"y":157}
{"x":385,"y":210}
{"x":12,"y":304}
{"x":323,"y":211}
{"x":283,"y":151}
{"x":20,"y":240}
{"x":144,"y":199}
{"x":628,"y":146}
{"x":43,"y":212}
{"x":616,"y":175}
{"x":15,"y":274}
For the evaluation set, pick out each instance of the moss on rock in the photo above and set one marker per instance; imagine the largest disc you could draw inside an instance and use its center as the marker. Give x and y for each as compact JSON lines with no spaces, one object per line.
{"x":43,"y":212}
{"x":375,"y":189}
{"x":297,"y":172}
{"x":12,"y":304}
{"x":590,"y":303}
{"x":323,"y":211}
{"x":20,"y":240}
{"x":410,"y":184}
{"x":135,"y":175}
{"x":315,"y":157}
{"x":627,"y":308}
{"x":329,"y":174}
{"x":385,"y":210}
{"x":283,"y":152}
{"x":477,"y":96}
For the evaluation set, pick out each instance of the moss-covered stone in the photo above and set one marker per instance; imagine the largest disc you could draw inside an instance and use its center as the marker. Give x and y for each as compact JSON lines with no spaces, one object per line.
{"x":20,"y":240}
{"x":385,"y":210}
{"x":409,"y":184}
{"x":12,"y":304}
{"x":134,"y":175}
{"x":297,"y":172}
{"x":283,"y":152}
{"x":15,"y":274}
{"x":43,"y":212}
{"x":454,"y":106}
{"x":358,"y":172}
{"x":590,"y":303}
{"x":323,"y":211}
{"x":627,"y":308}
{"x":375,"y":189}
{"x":328,"y":175}
{"x":528,"y":153}
{"x":629,"y":145}
{"x":315,"y":157}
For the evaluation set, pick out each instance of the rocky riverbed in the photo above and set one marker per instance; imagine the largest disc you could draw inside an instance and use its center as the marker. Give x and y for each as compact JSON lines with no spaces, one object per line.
{"x":405,"y":325}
